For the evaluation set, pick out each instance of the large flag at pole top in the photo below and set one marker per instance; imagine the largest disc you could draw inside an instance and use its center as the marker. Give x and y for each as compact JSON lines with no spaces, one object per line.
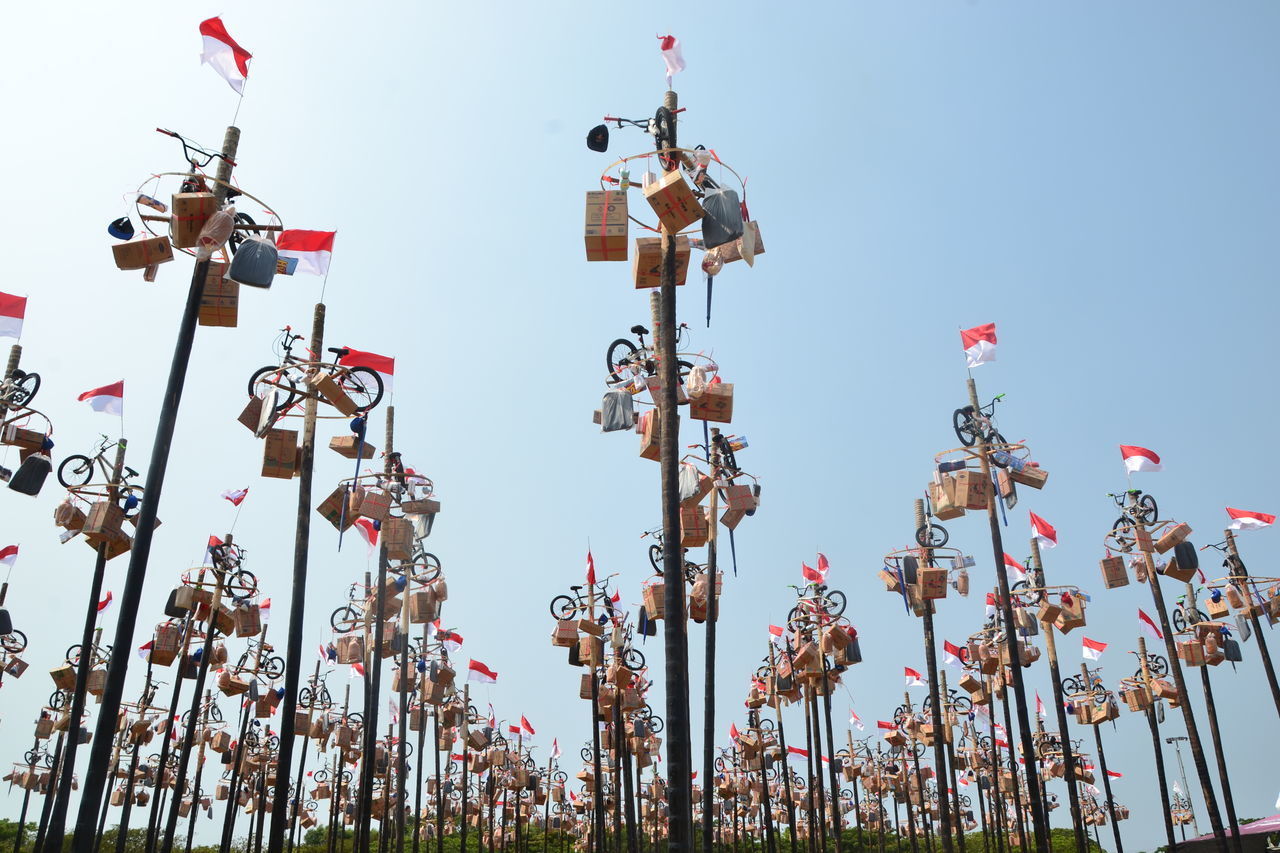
{"x":1092,"y":649}
{"x":672,"y":55}
{"x":312,"y":249}
{"x":12,"y":311}
{"x":476,"y":671}
{"x":1139,"y":459}
{"x":952,"y":655}
{"x":1242,"y":519}
{"x":1046,"y":533}
{"x":384,"y":366}
{"x":224,"y":55}
{"x":1147,"y":626}
{"x":591,"y":568}
{"x":236,"y":496}
{"x":109,"y":399}
{"x":1018,"y":569}
{"x":8,"y":555}
{"x":913,"y":678}
{"x":979,"y":344}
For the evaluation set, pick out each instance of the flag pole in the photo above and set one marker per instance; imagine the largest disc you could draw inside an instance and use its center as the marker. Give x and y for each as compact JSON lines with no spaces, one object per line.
{"x":1040,"y":824}
{"x":131,"y":597}
{"x":935,"y":700}
{"x":1064,"y":736}
{"x":1240,"y":573}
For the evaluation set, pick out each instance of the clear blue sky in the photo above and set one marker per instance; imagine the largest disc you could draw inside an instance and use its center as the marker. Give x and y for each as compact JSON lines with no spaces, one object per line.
{"x":1099,"y":181}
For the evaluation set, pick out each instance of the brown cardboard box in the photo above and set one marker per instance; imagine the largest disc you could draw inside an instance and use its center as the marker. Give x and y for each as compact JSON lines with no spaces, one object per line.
{"x":650,"y":429}
{"x":373,"y":504}
{"x":190,"y":212}
{"x":26,"y":439}
{"x":731,"y":252}
{"x":646,"y":264}
{"x":715,"y":404}
{"x":673,"y":201}
{"x":1172,"y":536}
{"x":1142,"y":538}
{"x":1173,"y":570}
{"x":654,"y":602}
{"x":933,"y":583}
{"x":328,"y":388}
{"x":251,"y":415}
{"x":1113,"y":573}
{"x":422,"y":506}
{"x":607,"y":225}
{"x":693,"y":527}
{"x":280,"y":453}
{"x":397,"y":533}
{"x":103,"y":523}
{"x":943,"y":496}
{"x":972,"y":491}
{"x":349,"y":446}
{"x":1030,"y":476}
{"x":220,"y":302}
{"x":140,"y":254}
{"x":333,"y":509}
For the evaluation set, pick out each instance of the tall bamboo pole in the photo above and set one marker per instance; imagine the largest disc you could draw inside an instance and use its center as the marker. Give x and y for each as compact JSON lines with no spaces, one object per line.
{"x":1106,"y":784}
{"x":1238,"y":571}
{"x":1155,"y":742}
{"x":709,"y":669}
{"x":776,"y":701}
{"x":947,"y":781}
{"x":935,"y":700}
{"x":195,"y":788}
{"x":131,"y":596}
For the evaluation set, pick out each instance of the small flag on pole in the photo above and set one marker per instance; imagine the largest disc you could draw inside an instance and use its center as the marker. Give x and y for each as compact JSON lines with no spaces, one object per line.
{"x":312,"y":249}
{"x":109,"y":399}
{"x":856,"y":721}
{"x":383,"y":365}
{"x":476,"y":671}
{"x":1148,"y":627}
{"x":1040,"y":712}
{"x":979,"y":344}
{"x":555,"y":749}
{"x":1242,"y":519}
{"x":526,"y":725}
{"x":8,"y":555}
{"x":236,"y":496}
{"x":1046,"y":533}
{"x":1139,"y":459}
{"x":1019,"y":570}
{"x":672,"y":55}
{"x":12,"y":311}
{"x":952,"y":655}
{"x":912,"y":677}
{"x":106,"y":602}
{"x":1093,"y":649}
{"x":591,"y":568}
{"x":224,"y":55}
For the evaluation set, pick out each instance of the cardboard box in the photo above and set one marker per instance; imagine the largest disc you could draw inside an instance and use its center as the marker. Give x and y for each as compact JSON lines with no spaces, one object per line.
{"x":251,"y":414}
{"x":607,"y":225}
{"x":333,"y":509}
{"x":646,"y":264}
{"x":933,"y":583}
{"x":397,"y":534}
{"x":693,"y":527}
{"x":140,"y":254}
{"x":650,"y":429}
{"x":280,"y":453}
{"x":190,"y":212}
{"x":25,"y":439}
{"x":1113,"y":573}
{"x":654,"y":601}
{"x":349,"y":446}
{"x":972,"y":490}
{"x":1174,"y":535}
{"x":731,"y":252}
{"x":1028,"y":476}
{"x":673,"y":200}
{"x":220,"y":302}
{"x":715,"y":404}
{"x":328,"y":388}
{"x":943,"y":496}
{"x":103,"y":523}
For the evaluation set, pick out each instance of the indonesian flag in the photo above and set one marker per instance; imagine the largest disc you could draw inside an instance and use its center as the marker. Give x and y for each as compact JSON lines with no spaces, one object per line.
{"x":671,"y":55}
{"x":856,"y":721}
{"x":312,"y":249}
{"x":526,"y":725}
{"x":1242,"y":519}
{"x":733,"y":732}
{"x":384,"y":366}
{"x":1046,"y":533}
{"x":1093,"y":649}
{"x":818,"y":575}
{"x":394,"y":707}
{"x":1148,"y":627}
{"x":12,"y":310}
{"x":991,"y":604}
{"x":451,"y":639}
{"x":476,"y":671}
{"x":106,"y":602}
{"x":236,"y":496}
{"x":795,"y":752}
{"x":368,"y":532}
{"x":913,"y":677}
{"x":1018,"y":569}
{"x":823,"y":565}
{"x":979,"y":344}
{"x":265,"y":609}
{"x":1040,"y":712}
{"x":1139,"y":459}
{"x":145,"y":649}
{"x":591,"y":568}
{"x":1115,"y":774}
{"x":222,"y":53}
{"x":775,"y":634}
{"x":357,"y":668}
{"x":952,"y":655}
{"x":555,"y":749}
{"x":108,"y":399}
{"x":513,"y":729}
{"x":881,"y":724}
{"x":8,"y":555}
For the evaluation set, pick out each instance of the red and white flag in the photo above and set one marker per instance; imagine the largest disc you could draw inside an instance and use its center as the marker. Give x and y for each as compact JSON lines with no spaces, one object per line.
{"x":513,"y":729}
{"x":145,"y":649}
{"x":526,"y":725}
{"x":775,"y":634}
{"x":1092,"y":649}
{"x":952,"y":655}
{"x":1115,"y":774}
{"x":1019,"y":570}
{"x":811,"y":574}
{"x":357,"y":668}
{"x":591,"y":568}
{"x":1046,"y":533}
{"x":913,"y":677}
{"x":1242,"y":519}
{"x":823,"y":565}
{"x":8,"y":555}
{"x":109,"y":399}
{"x":451,"y":639}
{"x":881,"y":724}
{"x":221,"y":52}
{"x":856,"y":721}
{"x":1139,"y":459}
{"x":12,"y":310}
{"x":795,"y":752}
{"x":555,"y":749}
{"x":733,"y":732}
{"x":236,"y":496}
{"x":672,"y":56}
{"x":264,"y":609}
{"x":384,"y":366}
{"x":1040,"y":712}
{"x":312,"y":249}
{"x":991,"y":604}
{"x":106,"y":602}
{"x":1149,"y":627}
{"x":979,"y":344}
{"x":476,"y":671}
{"x":368,"y":532}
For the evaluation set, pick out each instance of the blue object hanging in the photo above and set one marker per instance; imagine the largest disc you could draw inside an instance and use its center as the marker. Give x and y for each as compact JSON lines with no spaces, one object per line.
{"x":121,"y":229}
{"x":254,"y":263}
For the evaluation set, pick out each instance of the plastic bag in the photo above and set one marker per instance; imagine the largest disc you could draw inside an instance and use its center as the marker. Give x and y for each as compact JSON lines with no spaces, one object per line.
{"x":215,"y":233}
{"x":617,"y":412}
{"x":695,"y":384}
{"x":689,"y":479}
{"x":722,"y":221}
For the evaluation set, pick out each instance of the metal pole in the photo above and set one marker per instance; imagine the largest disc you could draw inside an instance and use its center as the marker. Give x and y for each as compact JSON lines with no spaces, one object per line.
{"x":131,"y":597}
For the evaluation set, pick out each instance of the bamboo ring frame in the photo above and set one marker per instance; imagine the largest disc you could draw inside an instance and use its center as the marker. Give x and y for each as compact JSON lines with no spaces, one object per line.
{"x":684,"y":154}
{"x":1109,"y":540}
{"x":15,"y":415}
{"x":973,"y":453}
{"x":102,"y":490}
{"x":156,"y":177}
{"x":712,"y":366}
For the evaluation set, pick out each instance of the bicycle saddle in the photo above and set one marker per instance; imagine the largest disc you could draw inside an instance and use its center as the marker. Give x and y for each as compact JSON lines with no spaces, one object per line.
{"x":339,"y":351}
{"x":639,"y":330}
{"x":575,"y":588}
{"x":130,"y":472}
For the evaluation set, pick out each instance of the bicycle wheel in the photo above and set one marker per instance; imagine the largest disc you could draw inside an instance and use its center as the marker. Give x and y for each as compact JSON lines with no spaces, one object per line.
{"x":563,"y":607}
{"x":73,"y":654}
{"x":663,"y":128}
{"x":1147,"y":512}
{"x":274,"y":378}
{"x":931,"y":536}
{"x":14,"y":642}
{"x":1179,"y":621}
{"x":962,"y":422}
{"x":346,"y":619}
{"x":655,"y":557}
{"x":633,"y":659}
{"x":683,"y":368}
{"x":656,"y":725}
{"x":1122,"y":532}
{"x":836,"y":603}
{"x":59,"y":699}
{"x":75,"y":470}
{"x":619,"y":356}
{"x":426,"y":567}
{"x":242,"y":584}
{"x":25,"y":386}
{"x":272,"y":667}
{"x":587,"y":755}
{"x":363,"y":385}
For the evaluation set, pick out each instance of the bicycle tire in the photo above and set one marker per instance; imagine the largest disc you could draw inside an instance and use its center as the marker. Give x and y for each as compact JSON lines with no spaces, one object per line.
{"x":664,"y":135}
{"x":962,"y":423}
{"x":282,"y":383}
{"x":633,"y":659}
{"x":25,"y":386}
{"x":364,"y":386}
{"x":346,"y":619}
{"x":838,"y":602}
{"x":656,"y":725}
{"x":15,"y":642}
{"x":59,"y":699}
{"x":76,"y":470}
{"x":1123,"y":535}
{"x":655,"y":557}
{"x":931,"y":536}
{"x":306,"y":697}
{"x":618,"y":356}
{"x":587,"y":755}
{"x":242,"y":584}
{"x":682,"y":369}
{"x":73,"y":654}
{"x":1147,"y":512}
{"x":563,"y":607}
{"x":431,"y":567}
{"x":272,"y":667}
{"x":238,"y":235}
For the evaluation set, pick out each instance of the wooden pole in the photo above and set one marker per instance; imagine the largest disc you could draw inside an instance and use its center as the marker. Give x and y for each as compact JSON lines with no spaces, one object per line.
{"x":1106,"y":784}
{"x":947,"y":781}
{"x":935,"y":700}
{"x":709,"y":668}
{"x":195,"y":788}
{"x":131,"y":595}
{"x":770,"y":840}
{"x":786,"y":771}
{"x":1155,"y":744}
{"x":466,"y":787}
{"x":1238,"y":571}
{"x":281,"y":815}
{"x":407,"y":677}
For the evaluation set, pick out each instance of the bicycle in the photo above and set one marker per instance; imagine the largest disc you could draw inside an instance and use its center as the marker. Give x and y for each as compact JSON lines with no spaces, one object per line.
{"x":15,"y":642}
{"x":1135,"y":509}
{"x":929,"y":534}
{"x":269,"y":665}
{"x":362,"y":384}
{"x":623,"y":357}
{"x":831,"y":603}
{"x":351,"y":615}
{"x":564,"y":607}
{"x":99,"y":656}
{"x":19,"y":388}
{"x":77,"y":469}
{"x":977,"y":426}
{"x":1186,"y":616}
{"x":316,"y":694}
{"x":691,"y":569}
